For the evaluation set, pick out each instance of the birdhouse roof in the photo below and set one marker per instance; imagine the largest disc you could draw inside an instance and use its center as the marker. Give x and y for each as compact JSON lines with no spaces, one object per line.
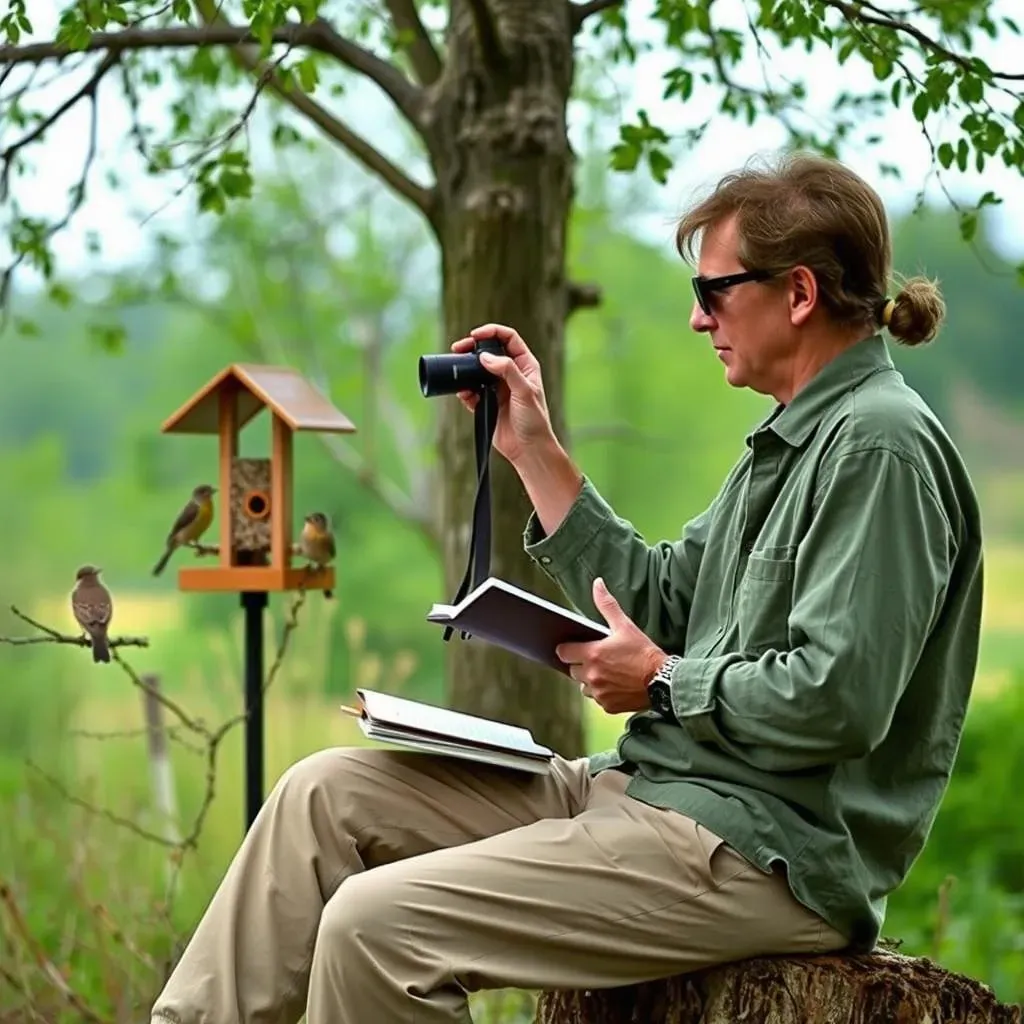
{"x":282,"y":389}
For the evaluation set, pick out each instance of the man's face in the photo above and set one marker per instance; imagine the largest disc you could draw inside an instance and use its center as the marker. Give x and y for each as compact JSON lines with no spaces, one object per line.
{"x":749,"y":324}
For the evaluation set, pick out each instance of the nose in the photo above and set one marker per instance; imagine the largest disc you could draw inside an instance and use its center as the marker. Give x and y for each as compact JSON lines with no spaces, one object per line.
{"x":700,"y":321}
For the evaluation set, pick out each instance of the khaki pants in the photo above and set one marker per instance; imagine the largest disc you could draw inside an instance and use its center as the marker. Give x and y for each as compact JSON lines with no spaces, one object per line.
{"x":379,"y":887}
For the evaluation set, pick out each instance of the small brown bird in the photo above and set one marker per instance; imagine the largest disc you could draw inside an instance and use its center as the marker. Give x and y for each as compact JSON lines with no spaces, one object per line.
{"x":192,"y":522}
{"x":93,"y":609}
{"x":316,"y":542}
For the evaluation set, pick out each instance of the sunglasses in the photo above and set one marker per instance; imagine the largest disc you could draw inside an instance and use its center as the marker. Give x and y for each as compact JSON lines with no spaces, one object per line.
{"x":706,"y":287}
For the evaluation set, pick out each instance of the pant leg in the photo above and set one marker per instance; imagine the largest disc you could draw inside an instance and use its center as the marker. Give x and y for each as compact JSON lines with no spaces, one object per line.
{"x":330,"y":816}
{"x":622,"y":893}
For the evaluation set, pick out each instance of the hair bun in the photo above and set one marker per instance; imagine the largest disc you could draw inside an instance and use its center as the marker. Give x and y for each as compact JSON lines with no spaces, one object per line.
{"x":917,"y":313}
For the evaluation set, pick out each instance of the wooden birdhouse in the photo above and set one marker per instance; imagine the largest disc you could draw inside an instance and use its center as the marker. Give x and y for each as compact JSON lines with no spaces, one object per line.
{"x":254,"y":496}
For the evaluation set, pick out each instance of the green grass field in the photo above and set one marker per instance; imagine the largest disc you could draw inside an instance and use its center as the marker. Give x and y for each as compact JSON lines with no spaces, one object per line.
{"x":91,"y":890}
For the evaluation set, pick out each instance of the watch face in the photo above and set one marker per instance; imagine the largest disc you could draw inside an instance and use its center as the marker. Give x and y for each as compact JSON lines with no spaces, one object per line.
{"x":661,"y":700}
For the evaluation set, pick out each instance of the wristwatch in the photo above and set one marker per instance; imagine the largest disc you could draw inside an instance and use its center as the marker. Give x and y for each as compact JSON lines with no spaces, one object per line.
{"x":659,"y":689}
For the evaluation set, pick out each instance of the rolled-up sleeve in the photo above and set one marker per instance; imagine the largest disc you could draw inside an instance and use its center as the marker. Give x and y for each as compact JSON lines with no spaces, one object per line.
{"x":654,"y":584}
{"x":868,"y":582}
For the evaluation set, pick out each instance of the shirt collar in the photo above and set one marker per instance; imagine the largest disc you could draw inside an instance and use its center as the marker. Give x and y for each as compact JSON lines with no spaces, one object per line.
{"x":795,"y":422}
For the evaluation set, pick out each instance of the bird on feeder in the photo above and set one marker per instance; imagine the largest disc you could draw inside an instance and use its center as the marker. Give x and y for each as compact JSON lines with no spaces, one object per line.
{"x":316,"y":541}
{"x":192,"y":522}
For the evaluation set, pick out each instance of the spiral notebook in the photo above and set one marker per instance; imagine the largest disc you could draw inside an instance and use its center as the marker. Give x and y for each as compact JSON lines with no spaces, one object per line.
{"x":437,"y":730}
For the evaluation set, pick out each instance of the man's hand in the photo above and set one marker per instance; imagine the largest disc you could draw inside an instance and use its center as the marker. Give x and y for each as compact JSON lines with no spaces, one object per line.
{"x":614,"y":671}
{"x":523,"y":419}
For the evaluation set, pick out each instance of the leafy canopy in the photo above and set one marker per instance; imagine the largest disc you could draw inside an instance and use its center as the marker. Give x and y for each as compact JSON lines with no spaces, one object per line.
{"x":211,"y":64}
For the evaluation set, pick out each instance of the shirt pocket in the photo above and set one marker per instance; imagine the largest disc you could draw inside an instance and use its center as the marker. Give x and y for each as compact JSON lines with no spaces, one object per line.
{"x":765,"y":600}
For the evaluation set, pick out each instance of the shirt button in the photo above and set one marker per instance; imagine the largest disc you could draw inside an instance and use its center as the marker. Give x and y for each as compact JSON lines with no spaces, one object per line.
{"x":546,"y":559}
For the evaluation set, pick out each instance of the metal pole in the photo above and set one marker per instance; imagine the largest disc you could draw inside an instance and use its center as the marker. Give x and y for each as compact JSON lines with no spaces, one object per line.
{"x":253,"y":602}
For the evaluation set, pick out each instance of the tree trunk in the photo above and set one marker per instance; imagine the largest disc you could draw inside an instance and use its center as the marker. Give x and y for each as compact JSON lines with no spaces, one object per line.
{"x":880,"y":987}
{"x":505,"y":181}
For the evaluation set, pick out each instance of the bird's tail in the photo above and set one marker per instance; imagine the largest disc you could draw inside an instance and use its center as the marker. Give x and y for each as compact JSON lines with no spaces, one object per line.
{"x":164,"y":559}
{"x":100,"y":648}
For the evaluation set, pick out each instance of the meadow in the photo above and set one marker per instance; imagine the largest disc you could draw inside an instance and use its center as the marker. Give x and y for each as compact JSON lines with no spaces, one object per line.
{"x":106,"y":906}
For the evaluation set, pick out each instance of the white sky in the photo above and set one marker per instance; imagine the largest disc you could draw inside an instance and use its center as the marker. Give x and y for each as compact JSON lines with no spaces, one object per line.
{"x":116,"y":215}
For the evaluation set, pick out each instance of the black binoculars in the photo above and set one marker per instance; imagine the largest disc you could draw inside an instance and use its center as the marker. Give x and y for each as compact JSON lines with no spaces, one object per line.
{"x":446,"y":374}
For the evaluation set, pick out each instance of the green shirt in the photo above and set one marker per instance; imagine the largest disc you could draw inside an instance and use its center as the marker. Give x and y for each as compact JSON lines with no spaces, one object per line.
{"x":827,"y":606}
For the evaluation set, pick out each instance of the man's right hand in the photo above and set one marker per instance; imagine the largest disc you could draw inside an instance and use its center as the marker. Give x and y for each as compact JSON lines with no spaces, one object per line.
{"x":523,"y":420}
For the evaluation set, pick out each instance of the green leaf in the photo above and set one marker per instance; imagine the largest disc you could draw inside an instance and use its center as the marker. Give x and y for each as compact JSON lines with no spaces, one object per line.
{"x":624,"y":156}
{"x":945,"y":155}
{"x":236,"y":184}
{"x":109,"y":337}
{"x":660,"y":164}
{"x":26,"y":328}
{"x":308,"y":73}
{"x":60,"y":294}
{"x":210,"y":198}
{"x":921,"y":106}
{"x":971,"y":89}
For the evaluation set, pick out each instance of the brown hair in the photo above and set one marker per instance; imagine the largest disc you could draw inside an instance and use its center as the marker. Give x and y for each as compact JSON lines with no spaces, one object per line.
{"x":814,"y":212}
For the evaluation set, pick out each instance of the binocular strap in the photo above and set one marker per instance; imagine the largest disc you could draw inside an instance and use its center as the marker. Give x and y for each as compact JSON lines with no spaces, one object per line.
{"x":478,"y":564}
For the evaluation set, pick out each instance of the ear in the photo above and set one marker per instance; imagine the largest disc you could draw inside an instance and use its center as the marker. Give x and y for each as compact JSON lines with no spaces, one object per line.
{"x":803,"y":294}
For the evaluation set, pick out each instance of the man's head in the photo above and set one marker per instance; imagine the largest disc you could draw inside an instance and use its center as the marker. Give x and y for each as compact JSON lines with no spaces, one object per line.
{"x":810,"y":241}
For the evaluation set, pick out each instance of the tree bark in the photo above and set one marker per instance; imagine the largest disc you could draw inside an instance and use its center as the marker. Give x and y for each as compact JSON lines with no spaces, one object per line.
{"x":497,"y":135}
{"x":881,"y":987}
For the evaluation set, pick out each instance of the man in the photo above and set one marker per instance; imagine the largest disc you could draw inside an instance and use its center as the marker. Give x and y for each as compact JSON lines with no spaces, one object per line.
{"x":800,"y":662}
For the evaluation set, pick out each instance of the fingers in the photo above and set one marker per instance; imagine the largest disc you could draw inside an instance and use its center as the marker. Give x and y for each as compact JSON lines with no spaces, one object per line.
{"x":508,"y":336}
{"x":510,"y":339}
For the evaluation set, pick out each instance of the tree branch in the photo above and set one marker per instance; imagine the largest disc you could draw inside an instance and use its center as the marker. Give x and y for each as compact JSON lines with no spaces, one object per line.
{"x":51,"y":636}
{"x":319,"y":36}
{"x":866,"y":13}
{"x":583,"y":296}
{"x":487,"y":33}
{"x":370,"y":157}
{"x":422,"y":53}
{"x":46,"y":232}
{"x":579,"y":13}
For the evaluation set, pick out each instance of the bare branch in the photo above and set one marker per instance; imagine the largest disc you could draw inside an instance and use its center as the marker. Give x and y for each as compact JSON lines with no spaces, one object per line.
{"x":319,"y":36}
{"x":370,"y":157}
{"x":424,"y":57}
{"x":46,"y":966}
{"x":487,"y":33}
{"x":579,"y":13}
{"x":583,"y":295}
{"x":868,"y":14}
{"x":78,"y":190}
{"x":52,"y":636}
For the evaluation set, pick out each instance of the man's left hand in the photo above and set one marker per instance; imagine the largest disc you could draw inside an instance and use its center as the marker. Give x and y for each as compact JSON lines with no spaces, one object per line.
{"x":614,"y":671}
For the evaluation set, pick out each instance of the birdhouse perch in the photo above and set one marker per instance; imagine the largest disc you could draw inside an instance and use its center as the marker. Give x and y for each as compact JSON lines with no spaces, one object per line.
{"x":254,"y":503}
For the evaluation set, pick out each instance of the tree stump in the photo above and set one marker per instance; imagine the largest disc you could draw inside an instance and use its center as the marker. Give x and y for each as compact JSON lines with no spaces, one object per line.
{"x":876,"y":988}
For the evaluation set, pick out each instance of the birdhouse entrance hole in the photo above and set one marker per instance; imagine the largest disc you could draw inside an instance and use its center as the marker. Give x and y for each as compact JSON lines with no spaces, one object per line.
{"x":256,"y":505}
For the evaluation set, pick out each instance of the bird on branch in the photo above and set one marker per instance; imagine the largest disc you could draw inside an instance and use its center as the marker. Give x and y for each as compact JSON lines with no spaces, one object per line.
{"x":93,"y":608}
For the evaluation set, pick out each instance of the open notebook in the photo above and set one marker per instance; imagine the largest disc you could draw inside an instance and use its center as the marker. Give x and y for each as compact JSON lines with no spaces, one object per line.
{"x":436,"y":730}
{"x":528,"y":625}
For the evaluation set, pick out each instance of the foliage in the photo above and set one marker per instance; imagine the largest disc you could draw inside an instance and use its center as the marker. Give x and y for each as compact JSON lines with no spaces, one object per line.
{"x":735,"y":63}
